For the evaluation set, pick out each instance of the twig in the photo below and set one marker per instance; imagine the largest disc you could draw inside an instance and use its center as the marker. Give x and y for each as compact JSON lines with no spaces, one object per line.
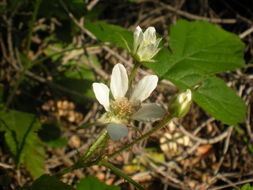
{"x":236,"y":183}
{"x":224,"y":150}
{"x":206,"y":141}
{"x":121,"y":174}
{"x":225,"y":179}
{"x":196,"y":17}
{"x":246,"y":33}
{"x":7,"y":166}
{"x":188,"y":152}
{"x":27,"y":64}
{"x":248,"y":126}
{"x":169,"y":177}
{"x":92,"y":4}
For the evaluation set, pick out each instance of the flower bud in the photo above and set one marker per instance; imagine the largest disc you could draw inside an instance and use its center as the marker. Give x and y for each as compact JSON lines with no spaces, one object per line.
{"x":180,"y":105}
{"x":145,"y":44}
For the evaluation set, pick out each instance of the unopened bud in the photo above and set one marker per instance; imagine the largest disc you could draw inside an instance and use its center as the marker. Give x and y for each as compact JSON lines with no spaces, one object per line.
{"x":145,"y":44}
{"x":180,"y":105}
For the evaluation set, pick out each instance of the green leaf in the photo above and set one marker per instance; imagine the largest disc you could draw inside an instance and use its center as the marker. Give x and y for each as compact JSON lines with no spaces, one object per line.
{"x":245,"y":187}
{"x":92,"y":183}
{"x":220,"y":101}
{"x":111,"y":33}
{"x":198,"y":51}
{"x":95,"y":12}
{"x":50,"y":134}
{"x":47,"y":182}
{"x":78,"y":80}
{"x":200,"y":48}
{"x":58,"y":143}
{"x":23,"y":141}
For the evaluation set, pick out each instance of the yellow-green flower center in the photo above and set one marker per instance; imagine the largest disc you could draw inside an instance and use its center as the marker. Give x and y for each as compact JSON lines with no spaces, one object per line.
{"x":123,"y":108}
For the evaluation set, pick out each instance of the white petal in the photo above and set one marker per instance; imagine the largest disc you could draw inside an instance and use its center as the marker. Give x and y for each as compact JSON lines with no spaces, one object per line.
{"x":185,"y":96}
{"x":117,"y":131}
{"x":138,"y":37}
{"x":150,"y":35}
{"x":119,"y":81}
{"x":157,"y":42}
{"x":144,"y":88}
{"x":102,"y":94}
{"x":149,"y":112}
{"x":146,"y":52}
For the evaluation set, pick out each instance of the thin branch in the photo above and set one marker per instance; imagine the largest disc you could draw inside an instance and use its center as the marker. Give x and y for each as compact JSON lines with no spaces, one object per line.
{"x":246,"y":33}
{"x":206,"y":141}
{"x":196,"y":17}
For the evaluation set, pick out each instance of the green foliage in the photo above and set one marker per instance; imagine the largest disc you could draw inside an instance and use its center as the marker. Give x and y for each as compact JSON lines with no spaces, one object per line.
{"x":94,"y":13}
{"x":55,"y":9}
{"x":20,"y":134}
{"x":49,"y":9}
{"x":92,"y":183}
{"x":50,"y":134}
{"x":220,"y":101}
{"x":198,"y":50}
{"x":245,"y":187}
{"x":47,"y":182}
{"x":78,"y":80}
{"x":75,"y":77}
{"x":110,"y":33}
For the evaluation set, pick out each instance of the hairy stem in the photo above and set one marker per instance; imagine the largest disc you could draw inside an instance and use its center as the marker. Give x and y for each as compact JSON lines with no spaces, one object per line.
{"x":93,"y":147}
{"x":77,"y":165}
{"x":121,"y":174}
{"x":156,"y":128}
{"x":81,"y":162}
{"x":133,"y":72}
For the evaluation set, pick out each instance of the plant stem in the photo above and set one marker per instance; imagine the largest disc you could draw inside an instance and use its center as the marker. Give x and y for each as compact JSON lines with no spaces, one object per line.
{"x":80,"y":163}
{"x":156,"y":128}
{"x":121,"y":174}
{"x":133,"y":72}
{"x":93,"y":147}
{"x":77,"y":165}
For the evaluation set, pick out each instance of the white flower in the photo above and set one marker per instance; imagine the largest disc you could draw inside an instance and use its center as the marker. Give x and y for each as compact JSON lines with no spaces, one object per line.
{"x":145,"y":44}
{"x":123,"y":108}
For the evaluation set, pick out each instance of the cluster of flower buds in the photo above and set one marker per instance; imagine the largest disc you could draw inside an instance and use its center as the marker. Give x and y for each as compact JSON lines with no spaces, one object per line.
{"x":126,"y":104}
{"x":145,"y":44}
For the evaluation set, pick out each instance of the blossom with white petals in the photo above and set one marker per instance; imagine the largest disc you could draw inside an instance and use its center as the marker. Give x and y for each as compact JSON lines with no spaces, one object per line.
{"x":123,"y":108}
{"x":145,"y":44}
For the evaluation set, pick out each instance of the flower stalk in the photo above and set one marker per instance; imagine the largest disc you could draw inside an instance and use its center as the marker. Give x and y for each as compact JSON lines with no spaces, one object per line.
{"x":156,"y":128}
{"x":133,"y":73}
{"x":94,"y":147}
{"x":121,"y":174}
